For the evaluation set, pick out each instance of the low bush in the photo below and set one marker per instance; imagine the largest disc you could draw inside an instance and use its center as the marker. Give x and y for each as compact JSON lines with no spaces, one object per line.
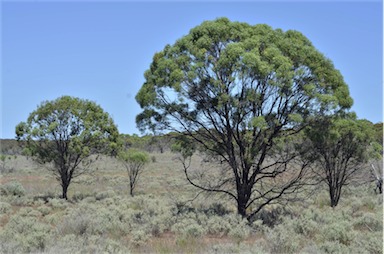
{"x":104,"y":194}
{"x":139,"y":237}
{"x":283,"y":239}
{"x":13,"y":188}
{"x":24,"y":233}
{"x":339,"y":231}
{"x":5,"y":208}
{"x":44,"y":210}
{"x":57,"y":203}
{"x":77,"y":223}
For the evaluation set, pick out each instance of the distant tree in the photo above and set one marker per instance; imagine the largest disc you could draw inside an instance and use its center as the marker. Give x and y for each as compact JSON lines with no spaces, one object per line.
{"x":378,"y":132}
{"x":10,"y":147}
{"x":235,"y":89}
{"x":341,"y":148}
{"x":66,"y":132}
{"x":134,"y":161}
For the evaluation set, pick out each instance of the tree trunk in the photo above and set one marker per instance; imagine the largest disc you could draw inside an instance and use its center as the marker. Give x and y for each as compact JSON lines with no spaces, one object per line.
{"x":65,"y":181}
{"x":65,"y":190}
{"x":131,"y":187}
{"x":242,"y":207}
{"x":334,"y":193}
{"x":242,"y":199}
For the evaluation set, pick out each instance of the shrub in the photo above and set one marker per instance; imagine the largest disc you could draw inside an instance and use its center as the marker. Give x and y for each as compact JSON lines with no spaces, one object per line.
{"x":239,"y":228}
{"x":305,"y":227}
{"x":77,"y":223}
{"x":105,"y":194}
{"x":368,"y":221}
{"x":58,"y":203}
{"x":271,"y":216}
{"x":369,"y":242}
{"x":25,"y":234}
{"x":334,"y":247}
{"x":188,"y":227}
{"x":239,"y":233}
{"x":139,"y":237}
{"x":89,"y":200}
{"x":282,"y":239}
{"x":44,"y":210}
{"x":13,"y":188}
{"x":257,"y":226}
{"x":5,"y":207}
{"x":340,"y":231}
{"x":79,"y":196}
{"x":29,"y":212}
{"x":217,"y":209}
{"x":218,"y":226}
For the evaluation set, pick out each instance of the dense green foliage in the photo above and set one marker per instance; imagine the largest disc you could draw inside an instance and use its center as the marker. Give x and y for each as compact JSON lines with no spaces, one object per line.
{"x":66,"y":132}
{"x":234,"y":89}
{"x":379,"y":132}
{"x":341,"y":148}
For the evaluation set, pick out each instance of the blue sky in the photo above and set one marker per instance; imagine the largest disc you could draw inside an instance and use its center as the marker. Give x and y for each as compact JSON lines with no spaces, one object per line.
{"x":100,"y":50}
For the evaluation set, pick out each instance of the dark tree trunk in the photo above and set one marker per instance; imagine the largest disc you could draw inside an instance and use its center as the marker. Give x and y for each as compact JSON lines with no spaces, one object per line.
{"x":334,"y":193}
{"x":242,"y":207}
{"x":131,"y":187}
{"x":243,"y":196}
{"x":379,"y":186}
{"x":65,"y":181}
{"x":65,"y":190}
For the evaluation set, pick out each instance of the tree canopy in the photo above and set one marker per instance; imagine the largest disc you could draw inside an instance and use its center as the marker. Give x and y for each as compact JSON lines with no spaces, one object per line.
{"x":235,"y":89}
{"x":134,"y":161}
{"x":341,"y":147}
{"x":66,"y":131}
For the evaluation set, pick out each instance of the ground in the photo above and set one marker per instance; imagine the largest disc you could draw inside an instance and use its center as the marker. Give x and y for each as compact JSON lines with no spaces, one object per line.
{"x":165,"y":216}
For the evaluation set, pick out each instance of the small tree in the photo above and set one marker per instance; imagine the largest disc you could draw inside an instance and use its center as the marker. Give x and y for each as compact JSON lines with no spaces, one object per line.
{"x":66,"y":132}
{"x":134,"y":161}
{"x":340,"y":147}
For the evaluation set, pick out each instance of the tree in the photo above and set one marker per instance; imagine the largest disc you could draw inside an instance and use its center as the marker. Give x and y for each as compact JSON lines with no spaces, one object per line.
{"x":341,"y":149}
{"x":66,"y":132}
{"x":378,"y":132}
{"x":235,"y":89}
{"x":134,"y":161}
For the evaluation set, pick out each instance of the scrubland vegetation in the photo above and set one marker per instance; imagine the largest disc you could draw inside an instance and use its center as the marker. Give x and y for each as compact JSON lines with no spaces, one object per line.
{"x":165,"y":216}
{"x":267,"y":158}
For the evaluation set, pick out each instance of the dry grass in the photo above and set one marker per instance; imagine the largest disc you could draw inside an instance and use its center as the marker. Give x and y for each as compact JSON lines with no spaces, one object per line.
{"x":161,"y":187}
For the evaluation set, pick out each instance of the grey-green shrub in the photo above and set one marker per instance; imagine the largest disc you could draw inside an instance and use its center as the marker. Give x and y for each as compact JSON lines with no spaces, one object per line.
{"x":58,"y":203}
{"x":104,"y":194}
{"x":139,"y":237}
{"x":369,"y":221}
{"x":216,"y":225}
{"x":188,"y":227}
{"x":240,"y":231}
{"x":24,"y":234}
{"x":334,"y":247}
{"x":340,"y":231}
{"x":283,"y":239}
{"x":75,"y":223}
{"x":44,"y":210}
{"x":5,"y":208}
{"x":13,"y":188}
{"x":369,"y":242}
